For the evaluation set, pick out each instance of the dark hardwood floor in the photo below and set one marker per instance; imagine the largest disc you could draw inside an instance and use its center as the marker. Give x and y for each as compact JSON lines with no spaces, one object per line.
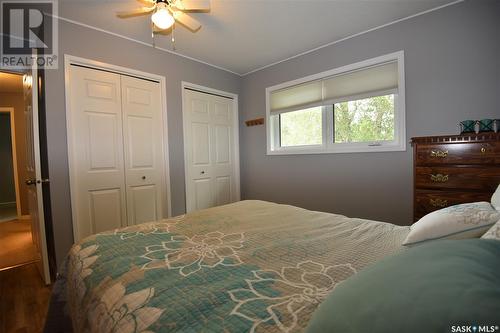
{"x":24,"y":300}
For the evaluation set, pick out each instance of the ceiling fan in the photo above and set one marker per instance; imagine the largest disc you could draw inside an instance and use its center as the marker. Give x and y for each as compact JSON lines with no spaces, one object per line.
{"x":166,"y":12}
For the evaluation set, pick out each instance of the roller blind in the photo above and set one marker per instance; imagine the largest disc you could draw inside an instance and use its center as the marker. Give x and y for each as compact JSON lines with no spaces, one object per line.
{"x":361,"y":83}
{"x":297,"y":96}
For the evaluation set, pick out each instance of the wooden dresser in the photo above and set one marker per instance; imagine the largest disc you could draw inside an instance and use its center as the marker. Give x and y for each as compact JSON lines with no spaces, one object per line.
{"x":454,"y":169}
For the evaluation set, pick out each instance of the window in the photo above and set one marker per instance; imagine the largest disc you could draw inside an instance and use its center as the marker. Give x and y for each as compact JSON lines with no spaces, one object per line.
{"x":301,"y":128}
{"x":356,"y":108}
{"x":364,"y":120}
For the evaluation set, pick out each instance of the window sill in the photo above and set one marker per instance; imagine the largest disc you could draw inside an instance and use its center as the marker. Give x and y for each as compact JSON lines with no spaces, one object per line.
{"x":339,"y":150}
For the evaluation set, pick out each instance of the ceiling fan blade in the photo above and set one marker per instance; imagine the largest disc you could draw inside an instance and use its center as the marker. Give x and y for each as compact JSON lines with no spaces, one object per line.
{"x":135,"y":12}
{"x":193,"y":5}
{"x":148,"y":2}
{"x":187,"y":21}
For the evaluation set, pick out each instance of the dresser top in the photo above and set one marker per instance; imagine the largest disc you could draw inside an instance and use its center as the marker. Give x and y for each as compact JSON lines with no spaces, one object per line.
{"x":462,"y":138}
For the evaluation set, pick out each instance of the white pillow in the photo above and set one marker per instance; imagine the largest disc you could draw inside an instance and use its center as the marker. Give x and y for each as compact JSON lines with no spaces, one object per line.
{"x":468,"y":220}
{"x":495,"y":198}
{"x":493,"y":232}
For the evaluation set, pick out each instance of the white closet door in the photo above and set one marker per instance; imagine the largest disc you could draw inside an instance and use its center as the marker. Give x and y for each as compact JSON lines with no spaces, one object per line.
{"x":142,"y":133}
{"x":209,"y":150}
{"x":97,"y":141}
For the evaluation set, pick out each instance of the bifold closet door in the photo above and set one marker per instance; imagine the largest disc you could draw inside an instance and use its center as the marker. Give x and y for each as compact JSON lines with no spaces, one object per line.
{"x":142,"y":133}
{"x":98,"y":182}
{"x":210,"y":151}
{"x":116,"y":150}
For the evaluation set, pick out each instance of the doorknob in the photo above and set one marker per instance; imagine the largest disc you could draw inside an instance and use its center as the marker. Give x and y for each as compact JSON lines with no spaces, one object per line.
{"x":35,"y":181}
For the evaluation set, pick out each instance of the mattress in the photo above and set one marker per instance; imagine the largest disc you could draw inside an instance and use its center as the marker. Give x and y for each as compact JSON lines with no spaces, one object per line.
{"x":251,"y":266}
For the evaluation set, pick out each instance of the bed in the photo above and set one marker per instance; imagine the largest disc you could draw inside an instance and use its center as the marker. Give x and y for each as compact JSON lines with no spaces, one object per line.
{"x":251,"y":266}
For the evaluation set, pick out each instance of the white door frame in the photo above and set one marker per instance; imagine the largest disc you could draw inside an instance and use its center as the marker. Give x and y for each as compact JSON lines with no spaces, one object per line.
{"x":93,"y":64}
{"x":10,"y":111}
{"x":236,"y":133}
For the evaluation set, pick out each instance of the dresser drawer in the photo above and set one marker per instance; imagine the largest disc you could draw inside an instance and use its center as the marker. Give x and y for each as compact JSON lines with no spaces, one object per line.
{"x":458,"y":153}
{"x":444,"y":177}
{"x":427,"y":201}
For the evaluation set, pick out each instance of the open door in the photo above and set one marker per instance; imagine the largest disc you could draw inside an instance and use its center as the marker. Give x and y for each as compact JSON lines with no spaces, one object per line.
{"x":33,"y":165}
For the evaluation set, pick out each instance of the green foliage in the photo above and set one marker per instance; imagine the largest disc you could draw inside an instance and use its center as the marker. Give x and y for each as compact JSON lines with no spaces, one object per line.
{"x":364,"y":120}
{"x":303,"y":127}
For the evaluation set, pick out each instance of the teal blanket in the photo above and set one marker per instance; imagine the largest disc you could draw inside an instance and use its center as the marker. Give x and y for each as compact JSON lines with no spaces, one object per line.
{"x":251,"y":266}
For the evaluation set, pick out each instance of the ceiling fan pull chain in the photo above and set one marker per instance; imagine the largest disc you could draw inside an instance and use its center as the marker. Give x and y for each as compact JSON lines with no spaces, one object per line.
{"x":173,"y":37}
{"x":153,"y":34}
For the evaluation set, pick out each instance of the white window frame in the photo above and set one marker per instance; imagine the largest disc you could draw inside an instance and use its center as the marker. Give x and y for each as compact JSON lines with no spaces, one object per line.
{"x":328,"y":146}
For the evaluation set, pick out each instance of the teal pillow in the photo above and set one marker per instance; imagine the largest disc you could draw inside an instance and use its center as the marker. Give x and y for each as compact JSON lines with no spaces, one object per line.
{"x":444,"y":286}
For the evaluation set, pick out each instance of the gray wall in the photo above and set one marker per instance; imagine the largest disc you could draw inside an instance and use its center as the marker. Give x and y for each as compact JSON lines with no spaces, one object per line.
{"x":452,"y":73}
{"x":16,"y":100}
{"x":91,"y":44}
{"x":7,"y":187}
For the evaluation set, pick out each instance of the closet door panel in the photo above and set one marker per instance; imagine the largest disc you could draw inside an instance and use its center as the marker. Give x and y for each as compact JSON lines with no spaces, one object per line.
{"x":203,"y":193}
{"x":209,"y":142}
{"x":222,"y":144}
{"x":222,"y":150}
{"x":144,"y":201}
{"x":143,"y":150}
{"x":140,"y":137}
{"x":96,"y":138}
{"x":223,"y":190}
{"x":105,"y":209}
{"x":201,"y":146}
{"x":198,"y":138}
{"x":103,"y":146}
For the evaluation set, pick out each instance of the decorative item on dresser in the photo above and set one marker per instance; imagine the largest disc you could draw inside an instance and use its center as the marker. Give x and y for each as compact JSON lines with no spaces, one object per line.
{"x":454,"y":169}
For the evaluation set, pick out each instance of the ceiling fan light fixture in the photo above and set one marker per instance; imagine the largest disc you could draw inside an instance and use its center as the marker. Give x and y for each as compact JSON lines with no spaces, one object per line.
{"x":162,"y":17}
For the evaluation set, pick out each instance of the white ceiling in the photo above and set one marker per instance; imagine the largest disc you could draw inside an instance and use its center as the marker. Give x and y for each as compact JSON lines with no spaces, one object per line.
{"x":244,"y":35}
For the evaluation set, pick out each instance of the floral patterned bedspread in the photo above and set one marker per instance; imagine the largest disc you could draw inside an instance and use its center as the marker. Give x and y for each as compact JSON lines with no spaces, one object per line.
{"x":251,"y":266}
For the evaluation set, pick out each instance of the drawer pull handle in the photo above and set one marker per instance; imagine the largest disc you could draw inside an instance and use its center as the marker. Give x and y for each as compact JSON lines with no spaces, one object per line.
{"x":438,"y":203}
{"x":439,"y":178}
{"x":483,"y":150}
{"x":439,"y":153}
